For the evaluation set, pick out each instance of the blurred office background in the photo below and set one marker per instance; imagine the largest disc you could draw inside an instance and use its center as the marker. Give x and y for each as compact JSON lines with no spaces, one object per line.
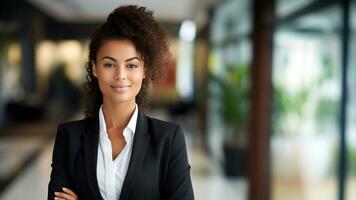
{"x":264,"y":89}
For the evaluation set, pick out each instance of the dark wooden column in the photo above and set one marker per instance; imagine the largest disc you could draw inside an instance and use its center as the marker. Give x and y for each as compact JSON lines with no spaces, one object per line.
{"x":261,"y":100}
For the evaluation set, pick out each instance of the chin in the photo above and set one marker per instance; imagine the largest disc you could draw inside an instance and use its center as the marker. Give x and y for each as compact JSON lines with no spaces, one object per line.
{"x":121,"y":98}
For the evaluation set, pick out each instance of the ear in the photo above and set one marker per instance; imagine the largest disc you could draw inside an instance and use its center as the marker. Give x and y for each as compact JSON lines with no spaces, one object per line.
{"x":95,"y":73}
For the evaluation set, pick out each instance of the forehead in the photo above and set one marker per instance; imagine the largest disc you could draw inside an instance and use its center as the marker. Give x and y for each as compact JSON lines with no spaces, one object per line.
{"x":118,"y":49}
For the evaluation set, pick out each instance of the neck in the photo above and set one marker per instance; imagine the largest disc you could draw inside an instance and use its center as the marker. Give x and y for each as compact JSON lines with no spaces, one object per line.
{"x":117,"y":115}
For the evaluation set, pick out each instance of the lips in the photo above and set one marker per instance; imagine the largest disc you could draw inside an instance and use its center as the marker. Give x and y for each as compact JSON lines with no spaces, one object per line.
{"x":120,"y":87}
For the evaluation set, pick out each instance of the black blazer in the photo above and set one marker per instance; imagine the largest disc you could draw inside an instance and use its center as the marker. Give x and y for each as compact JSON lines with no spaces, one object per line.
{"x":158,"y":168}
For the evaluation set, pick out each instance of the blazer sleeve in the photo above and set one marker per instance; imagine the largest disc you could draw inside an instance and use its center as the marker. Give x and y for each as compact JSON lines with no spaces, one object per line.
{"x":178,"y":182}
{"x":59,"y":175}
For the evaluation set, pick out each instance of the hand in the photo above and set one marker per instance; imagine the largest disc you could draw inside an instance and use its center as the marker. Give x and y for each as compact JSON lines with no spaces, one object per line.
{"x":66,"y":195}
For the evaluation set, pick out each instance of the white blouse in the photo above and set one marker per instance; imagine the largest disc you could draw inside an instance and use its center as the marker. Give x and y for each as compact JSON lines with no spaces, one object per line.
{"x":111,"y":173}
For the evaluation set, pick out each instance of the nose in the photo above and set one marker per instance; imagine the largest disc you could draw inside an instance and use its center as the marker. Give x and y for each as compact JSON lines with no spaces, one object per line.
{"x":120,"y":73}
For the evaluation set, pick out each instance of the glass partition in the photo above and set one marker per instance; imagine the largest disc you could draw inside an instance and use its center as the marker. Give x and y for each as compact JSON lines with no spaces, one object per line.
{"x":307,"y":90}
{"x":286,"y":7}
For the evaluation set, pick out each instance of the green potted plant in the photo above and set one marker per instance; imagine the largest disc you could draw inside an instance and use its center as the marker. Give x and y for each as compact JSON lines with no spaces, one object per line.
{"x":292,"y":110}
{"x":233,"y":99}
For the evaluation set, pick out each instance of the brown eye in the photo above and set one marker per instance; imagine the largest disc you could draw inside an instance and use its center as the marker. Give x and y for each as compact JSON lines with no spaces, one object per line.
{"x":132,"y":66}
{"x":108,"y":65}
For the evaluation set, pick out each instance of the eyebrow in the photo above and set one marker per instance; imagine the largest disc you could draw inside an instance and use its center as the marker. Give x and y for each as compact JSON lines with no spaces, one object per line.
{"x":129,"y":59}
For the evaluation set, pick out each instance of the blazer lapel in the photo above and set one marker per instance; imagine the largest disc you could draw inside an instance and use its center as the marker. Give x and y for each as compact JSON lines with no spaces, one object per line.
{"x":90,"y":143}
{"x":140,"y":145}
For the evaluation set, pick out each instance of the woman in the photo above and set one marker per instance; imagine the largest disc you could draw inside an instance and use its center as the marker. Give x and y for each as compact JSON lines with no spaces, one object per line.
{"x":117,"y":152}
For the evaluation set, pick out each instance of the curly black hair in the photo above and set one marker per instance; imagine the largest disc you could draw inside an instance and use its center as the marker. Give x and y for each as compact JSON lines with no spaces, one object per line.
{"x":138,"y":25}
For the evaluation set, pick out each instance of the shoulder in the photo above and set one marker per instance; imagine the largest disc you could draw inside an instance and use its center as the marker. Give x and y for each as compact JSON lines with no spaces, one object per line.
{"x":74,"y":128}
{"x":161,"y":124}
{"x":75,"y":125}
{"x":165,"y":130}
{"x":70,"y":133}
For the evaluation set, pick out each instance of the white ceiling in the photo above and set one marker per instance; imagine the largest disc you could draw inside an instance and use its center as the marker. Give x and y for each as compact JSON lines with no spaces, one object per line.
{"x":96,"y":10}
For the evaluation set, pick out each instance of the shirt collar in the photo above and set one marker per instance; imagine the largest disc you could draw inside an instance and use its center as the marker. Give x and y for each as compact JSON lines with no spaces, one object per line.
{"x":133,"y":121}
{"x":131,"y":125}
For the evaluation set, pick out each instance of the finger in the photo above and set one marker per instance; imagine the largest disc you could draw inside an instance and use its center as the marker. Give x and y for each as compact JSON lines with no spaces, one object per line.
{"x":69,"y":191}
{"x":64,"y":195}
{"x":58,"y":198}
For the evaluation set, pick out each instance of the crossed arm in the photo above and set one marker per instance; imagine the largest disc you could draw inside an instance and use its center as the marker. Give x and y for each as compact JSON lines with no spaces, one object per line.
{"x":67,"y":194}
{"x":59,"y":175}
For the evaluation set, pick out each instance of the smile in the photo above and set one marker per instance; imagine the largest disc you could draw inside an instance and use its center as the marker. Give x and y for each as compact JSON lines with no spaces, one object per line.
{"x":120,"y":88}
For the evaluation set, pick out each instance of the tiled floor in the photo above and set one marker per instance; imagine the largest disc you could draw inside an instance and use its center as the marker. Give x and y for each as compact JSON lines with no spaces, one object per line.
{"x":210,"y":184}
{"x":32,"y":183}
{"x":13,"y":151}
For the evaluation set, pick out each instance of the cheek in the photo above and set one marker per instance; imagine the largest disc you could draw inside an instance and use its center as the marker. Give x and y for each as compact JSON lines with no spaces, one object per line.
{"x":139,"y":78}
{"x":101,"y":85}
{"x":138,"y":84}
{"x":104,"y":76}
{"x":103,"y":80}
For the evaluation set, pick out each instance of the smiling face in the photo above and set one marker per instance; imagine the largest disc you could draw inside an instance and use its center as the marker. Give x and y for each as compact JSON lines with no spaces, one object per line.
{"x":119,"y":69}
